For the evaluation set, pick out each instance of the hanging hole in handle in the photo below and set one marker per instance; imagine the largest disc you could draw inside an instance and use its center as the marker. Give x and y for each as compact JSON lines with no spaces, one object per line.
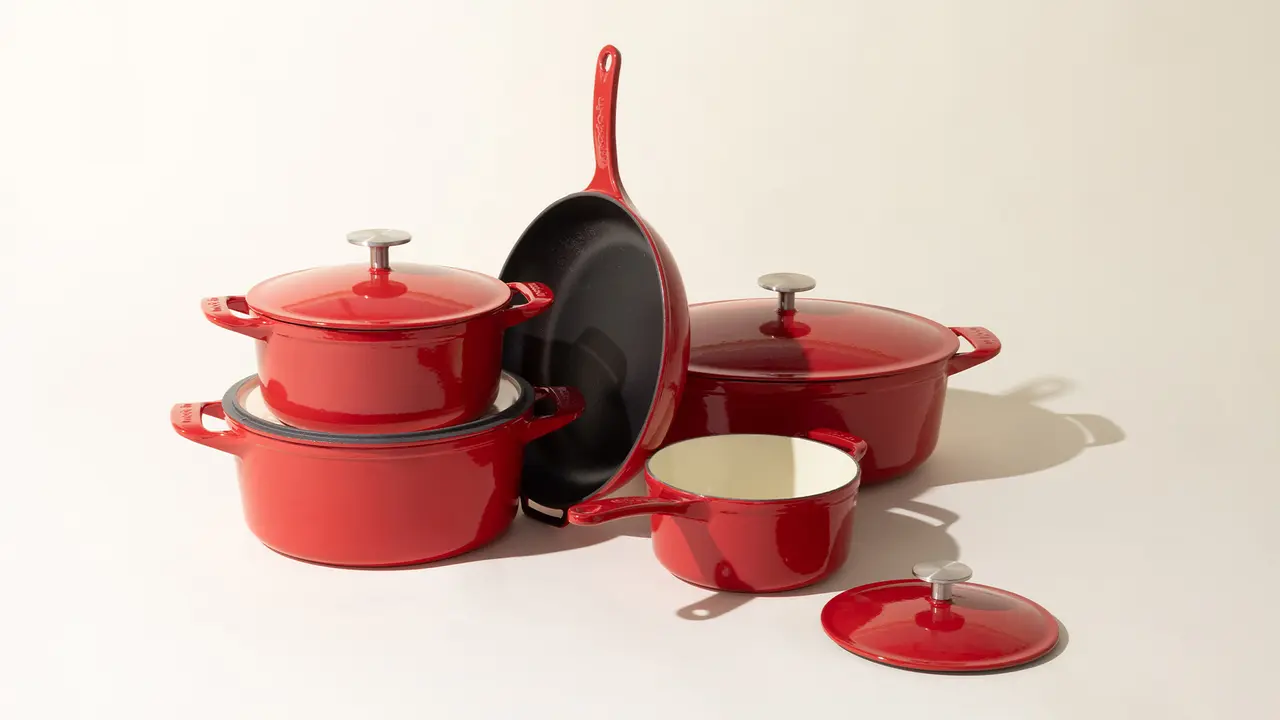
{"x":607,"y":63}
{"x":239,"y":308}
{"x":214,"y":422}
{"x":545,"y":407}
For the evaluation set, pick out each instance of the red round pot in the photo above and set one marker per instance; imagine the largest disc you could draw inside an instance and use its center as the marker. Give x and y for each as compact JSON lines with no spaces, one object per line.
{"x":786,"y":366}
{"x":747,"y":513}
{"x":378,"y":349}
{"x":366,"y":500}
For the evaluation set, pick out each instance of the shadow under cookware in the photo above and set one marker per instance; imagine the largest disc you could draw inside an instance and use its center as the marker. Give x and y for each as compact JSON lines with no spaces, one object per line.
{"x":984,"y":436}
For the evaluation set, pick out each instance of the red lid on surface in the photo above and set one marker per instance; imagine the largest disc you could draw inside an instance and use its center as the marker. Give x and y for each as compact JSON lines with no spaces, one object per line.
{"x":378,"y":296}
{"x":940,"y":623}
{"x":790,"y":339}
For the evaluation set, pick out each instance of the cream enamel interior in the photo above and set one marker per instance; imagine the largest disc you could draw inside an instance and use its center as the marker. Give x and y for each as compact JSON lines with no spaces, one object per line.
{"x":252,"y":402}
{"x":753,"y":467}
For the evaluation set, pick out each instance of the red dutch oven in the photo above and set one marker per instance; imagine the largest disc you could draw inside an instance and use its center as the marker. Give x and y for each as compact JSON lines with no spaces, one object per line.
{"x":379,"y":349}
{"x":786,"y":366}
{"x":379,"y":500}
{"x":747,"y":513}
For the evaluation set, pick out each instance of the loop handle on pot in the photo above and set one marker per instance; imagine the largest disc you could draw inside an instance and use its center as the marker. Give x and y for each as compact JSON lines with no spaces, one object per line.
{"x":218,"y":310}
{"x":985,"y":346}
{"x":852,"y":444}
{"x":188,"y":421}
{"x":598,"y":511}
{"x":569,"y":404}
{"x":538,"y":299}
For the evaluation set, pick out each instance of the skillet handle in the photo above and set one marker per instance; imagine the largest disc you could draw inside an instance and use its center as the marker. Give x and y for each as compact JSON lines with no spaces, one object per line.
{"x":598,"y":511}
{"x":188,"y":421}
{"x":852,"y":444}
{"x":569,"y":405}
{"x":218,"y":311}
{"x":538,"y":299}
{"x":604,"y":118}
{"x":985,"y":346}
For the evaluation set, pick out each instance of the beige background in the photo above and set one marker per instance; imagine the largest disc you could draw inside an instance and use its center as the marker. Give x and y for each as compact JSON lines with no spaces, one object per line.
{"x":1094,"y":181}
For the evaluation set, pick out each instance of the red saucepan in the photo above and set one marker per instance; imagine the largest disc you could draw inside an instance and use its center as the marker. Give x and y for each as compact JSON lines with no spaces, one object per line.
{"x":786,"y":366}
{"x":747,"y":513}
{"x":378,"y":500}
{"x":379,"y":349}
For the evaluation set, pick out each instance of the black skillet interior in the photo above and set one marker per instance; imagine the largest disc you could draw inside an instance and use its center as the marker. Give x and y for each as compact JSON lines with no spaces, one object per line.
{"x":603,"y":335}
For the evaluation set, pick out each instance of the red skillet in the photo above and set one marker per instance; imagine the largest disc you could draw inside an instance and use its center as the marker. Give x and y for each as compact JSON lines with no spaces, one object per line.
{"x":618,"y":331}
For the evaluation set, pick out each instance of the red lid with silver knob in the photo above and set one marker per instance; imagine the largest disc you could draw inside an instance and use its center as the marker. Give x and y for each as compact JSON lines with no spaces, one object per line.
{"x":940,"y":622}
{"x":380,"y":295}
{"x":790,"y":339}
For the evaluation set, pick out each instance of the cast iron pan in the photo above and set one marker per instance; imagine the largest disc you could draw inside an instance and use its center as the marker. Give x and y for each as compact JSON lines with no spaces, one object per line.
{"x":618,"y":331}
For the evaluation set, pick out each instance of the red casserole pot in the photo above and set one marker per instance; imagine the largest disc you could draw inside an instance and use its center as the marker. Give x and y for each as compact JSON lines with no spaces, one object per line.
{"x":376,"y":349}
{"x":747,"y":513}
{"x":378,"y":500}
{"x":786,"y":366}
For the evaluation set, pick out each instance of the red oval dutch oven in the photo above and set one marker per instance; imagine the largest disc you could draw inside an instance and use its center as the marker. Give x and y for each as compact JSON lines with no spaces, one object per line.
{"x":379,"y":349}
{"x":786,"y":366}
{"x":379,"y":500}
{"x":747,"y":513}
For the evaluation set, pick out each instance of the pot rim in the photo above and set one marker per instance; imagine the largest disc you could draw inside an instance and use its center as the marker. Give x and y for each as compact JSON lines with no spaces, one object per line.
{"x":852,"y":485}
{"x":331,"y":328}
{"x":236,"y":413}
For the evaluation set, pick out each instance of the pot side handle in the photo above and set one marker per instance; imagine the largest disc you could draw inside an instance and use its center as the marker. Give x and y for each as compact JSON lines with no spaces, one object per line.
{"x":538,"y":299}
{"x":569,"y":405}
{"x":852,"y":444}
{"x":985,"y":346}
{"x":188,"y":421}
{"x":218,"y":310}
{"x":599,"y":511}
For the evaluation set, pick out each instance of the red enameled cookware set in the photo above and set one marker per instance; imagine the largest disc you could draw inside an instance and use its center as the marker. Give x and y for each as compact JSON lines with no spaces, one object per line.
{"x":402,"y":413}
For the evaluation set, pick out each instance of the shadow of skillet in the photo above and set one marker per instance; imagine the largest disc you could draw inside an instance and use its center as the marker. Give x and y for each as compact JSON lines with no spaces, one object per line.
{"x":983,"y":437}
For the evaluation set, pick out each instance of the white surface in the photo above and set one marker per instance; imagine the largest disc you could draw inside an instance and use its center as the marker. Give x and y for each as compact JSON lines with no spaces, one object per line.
{"x":753,"y":467}
{"x":1094,"y":181}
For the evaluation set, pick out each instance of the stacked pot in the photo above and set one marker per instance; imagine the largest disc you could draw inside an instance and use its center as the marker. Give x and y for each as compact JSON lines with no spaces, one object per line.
{"x":380,"y":428}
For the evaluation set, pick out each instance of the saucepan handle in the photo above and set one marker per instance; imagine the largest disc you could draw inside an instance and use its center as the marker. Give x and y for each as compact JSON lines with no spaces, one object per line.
{"x":538,"y":298}
{"x":985,"y":346}
{"x":598,"y":511}
{"x":218,"y":311}
{"x":569,"y":405}
{"x":188,"y":421}
{"x":852,"y":444}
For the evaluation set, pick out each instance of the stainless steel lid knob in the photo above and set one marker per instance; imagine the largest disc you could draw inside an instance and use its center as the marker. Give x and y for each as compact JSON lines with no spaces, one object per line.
{"x":941,"y":575}
{"x":378,"y":240}
{"x":787,"y":285}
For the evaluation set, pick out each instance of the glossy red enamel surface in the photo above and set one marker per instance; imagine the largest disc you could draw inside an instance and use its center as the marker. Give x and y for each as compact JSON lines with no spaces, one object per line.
{"x":356,"y":297}
{"x":898,"y":414}
{"x":981,"y":628}
{"x":819,"y":340}
{"x":378,"y":382}
{"x":372,"y":505}
{"x":756,"y":546}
